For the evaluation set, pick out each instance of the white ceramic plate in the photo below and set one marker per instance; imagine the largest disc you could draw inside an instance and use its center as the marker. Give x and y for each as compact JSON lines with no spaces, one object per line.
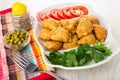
{"x":110,"y":41}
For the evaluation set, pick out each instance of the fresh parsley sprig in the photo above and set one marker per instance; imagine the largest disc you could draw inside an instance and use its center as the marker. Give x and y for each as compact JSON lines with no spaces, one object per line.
{"x":80,"y":56}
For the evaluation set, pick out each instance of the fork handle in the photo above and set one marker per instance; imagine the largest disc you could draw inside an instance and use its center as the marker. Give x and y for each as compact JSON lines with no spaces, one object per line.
{"x":54,"y":75}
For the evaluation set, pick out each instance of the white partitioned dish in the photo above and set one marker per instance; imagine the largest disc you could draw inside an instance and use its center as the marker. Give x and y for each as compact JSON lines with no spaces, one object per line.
{"x":110,"y":41}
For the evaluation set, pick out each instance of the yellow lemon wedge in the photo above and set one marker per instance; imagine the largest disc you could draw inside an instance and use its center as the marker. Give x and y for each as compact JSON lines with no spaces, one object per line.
{"x":19,"y":8}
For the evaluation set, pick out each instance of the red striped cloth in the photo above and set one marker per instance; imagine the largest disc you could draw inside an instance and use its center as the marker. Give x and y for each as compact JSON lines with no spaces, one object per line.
{"x":4,"y":72}
{"x":8,"y":69}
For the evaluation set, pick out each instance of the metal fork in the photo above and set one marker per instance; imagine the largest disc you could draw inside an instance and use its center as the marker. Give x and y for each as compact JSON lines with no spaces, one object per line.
{"x":26,"y":65}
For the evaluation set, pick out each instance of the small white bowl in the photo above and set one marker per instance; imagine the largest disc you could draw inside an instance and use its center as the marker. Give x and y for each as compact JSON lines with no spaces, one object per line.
{"x":16,"y":47}
{"x":109,"y":42}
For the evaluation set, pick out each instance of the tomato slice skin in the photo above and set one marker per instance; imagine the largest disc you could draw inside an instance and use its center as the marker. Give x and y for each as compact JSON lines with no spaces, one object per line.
{"x":78,"y":10}
{"x":41,"y":16}
{"x":53,"y":14}
{"x":75,"y":13}
{"x":66,"y":12}
{"x":61,"y":15}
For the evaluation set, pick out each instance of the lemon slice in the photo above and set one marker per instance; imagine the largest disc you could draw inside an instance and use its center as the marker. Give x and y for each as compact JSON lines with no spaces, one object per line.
{"x":19,"y":8}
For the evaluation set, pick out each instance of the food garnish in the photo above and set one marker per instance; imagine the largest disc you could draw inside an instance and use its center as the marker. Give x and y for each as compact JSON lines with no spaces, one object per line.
{"x":63,"y":13}
{"x":80,"y":56}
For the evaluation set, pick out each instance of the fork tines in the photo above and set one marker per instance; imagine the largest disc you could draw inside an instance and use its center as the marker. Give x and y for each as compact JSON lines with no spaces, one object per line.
{"x":22,"y":62}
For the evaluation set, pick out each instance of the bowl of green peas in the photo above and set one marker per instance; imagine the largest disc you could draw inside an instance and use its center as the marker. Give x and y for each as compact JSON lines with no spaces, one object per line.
{"x":16,"y":40}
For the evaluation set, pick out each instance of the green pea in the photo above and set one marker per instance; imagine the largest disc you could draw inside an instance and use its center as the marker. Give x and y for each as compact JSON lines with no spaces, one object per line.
{"x":15,"y":36}
{"x":22,"y":39}
{"x":22,"y":33}
{"x":25,"y":32}
{"x":15,"y":42}
{"x":17,"y":33}
{"x":19,"y":43}
{"x":19,"y":36}
{"x":6,"y":41}
{"x":26,"y":38}
{"x":26,"y":35}
{"x":17,"y":39}
{"x":12,"y":37}
{"x":10,"y":43}
{"x":8,"y":37}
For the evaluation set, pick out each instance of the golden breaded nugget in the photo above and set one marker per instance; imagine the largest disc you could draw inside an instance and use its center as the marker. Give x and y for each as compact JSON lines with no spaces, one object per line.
{"x":69,"y":25}
{"x":100,"y":32}
{"x":72,"y":44}
{"x":44,"y":34}
{"x":92,"y":18}
{"x":84,"y":27}
{"x":60,"y":34}
{"x":50,"y":24}
{"x":90,"y":39}
{"x":53,"y":45}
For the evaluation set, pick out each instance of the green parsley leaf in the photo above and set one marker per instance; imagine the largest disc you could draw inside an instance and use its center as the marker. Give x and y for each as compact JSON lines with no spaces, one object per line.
{"x":103,"y":48}
{"x":98,"y":56}
{"x":71,"y":58}
{"x":82,"y":55}
{"x":82,"y":61}
{"x":56,"y":58}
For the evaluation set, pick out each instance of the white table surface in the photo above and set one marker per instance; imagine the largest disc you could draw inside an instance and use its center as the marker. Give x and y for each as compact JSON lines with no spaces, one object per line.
{"x":110,"y":10}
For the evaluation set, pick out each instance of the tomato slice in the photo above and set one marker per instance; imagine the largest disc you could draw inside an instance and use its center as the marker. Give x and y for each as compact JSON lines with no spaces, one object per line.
{"x":75,"y":13}
{"x":66,"y":12}
{"x":61,"y":15}
{"x":48,"y":15}
{"x":53,"y":14}
{"x":78,"y":10}
{"x":41,"y":16}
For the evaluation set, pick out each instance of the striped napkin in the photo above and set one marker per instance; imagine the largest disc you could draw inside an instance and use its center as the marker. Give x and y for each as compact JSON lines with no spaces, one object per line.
{"x":8,"y":69}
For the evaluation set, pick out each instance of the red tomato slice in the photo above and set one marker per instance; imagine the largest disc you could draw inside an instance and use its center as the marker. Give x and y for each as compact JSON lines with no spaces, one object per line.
{"x":75,"y":13}
{"x":48,"y":15}
{"x":78,"y":10}
{"x":61,"y":15}
{"x":53,"y":14}
{"x":42,"y":16}
{"x":66,"y":12}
